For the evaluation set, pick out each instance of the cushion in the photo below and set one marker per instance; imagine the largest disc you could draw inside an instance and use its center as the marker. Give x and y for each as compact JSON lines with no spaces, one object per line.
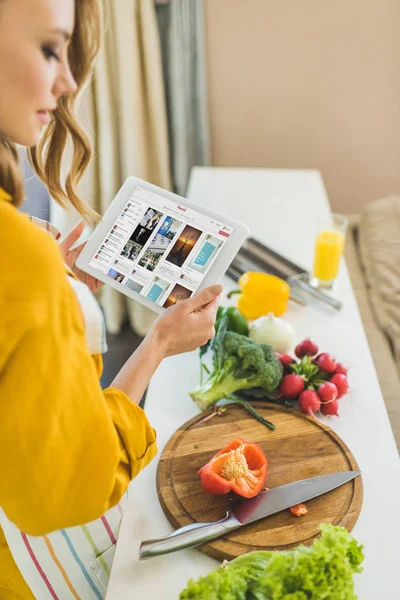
{"x":385,"y":365}
{"x":379,"y":243}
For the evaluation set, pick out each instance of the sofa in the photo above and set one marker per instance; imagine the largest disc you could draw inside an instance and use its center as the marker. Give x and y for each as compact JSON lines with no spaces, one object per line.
{"x":373,"y":259}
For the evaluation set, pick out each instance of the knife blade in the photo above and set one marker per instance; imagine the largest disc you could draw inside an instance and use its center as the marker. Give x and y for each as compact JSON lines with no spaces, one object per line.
{"x":243,"y":512}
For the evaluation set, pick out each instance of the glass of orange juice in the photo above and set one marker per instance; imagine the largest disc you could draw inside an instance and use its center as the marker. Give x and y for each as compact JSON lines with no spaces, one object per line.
{"x":329,"y":247}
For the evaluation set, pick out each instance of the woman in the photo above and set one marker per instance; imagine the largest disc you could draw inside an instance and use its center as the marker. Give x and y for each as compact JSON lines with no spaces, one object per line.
{"x":68,"y":449}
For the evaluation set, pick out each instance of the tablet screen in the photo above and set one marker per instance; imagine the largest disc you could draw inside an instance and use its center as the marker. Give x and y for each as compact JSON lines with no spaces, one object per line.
{"x":159,"y":248}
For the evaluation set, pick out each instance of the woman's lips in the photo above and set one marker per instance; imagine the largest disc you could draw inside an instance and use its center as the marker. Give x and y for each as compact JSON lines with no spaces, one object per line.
{"x":44,"y":116}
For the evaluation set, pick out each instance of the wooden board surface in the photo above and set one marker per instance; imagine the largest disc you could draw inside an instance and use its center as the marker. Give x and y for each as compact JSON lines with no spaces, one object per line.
{"x":300,"y":447}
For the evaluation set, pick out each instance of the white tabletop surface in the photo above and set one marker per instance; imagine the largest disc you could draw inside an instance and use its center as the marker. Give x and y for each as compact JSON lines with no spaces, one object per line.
{"x":284,"y":209}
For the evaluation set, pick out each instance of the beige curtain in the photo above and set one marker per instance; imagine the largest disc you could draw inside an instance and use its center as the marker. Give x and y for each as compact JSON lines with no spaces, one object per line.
{"x":124,"y":111}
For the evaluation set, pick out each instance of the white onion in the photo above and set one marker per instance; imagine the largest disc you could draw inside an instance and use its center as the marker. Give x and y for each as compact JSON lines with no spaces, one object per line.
{"x":273,"y":331}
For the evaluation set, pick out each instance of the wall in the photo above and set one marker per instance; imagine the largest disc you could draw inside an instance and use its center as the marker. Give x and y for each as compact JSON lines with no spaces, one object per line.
{"x":308,"y":84}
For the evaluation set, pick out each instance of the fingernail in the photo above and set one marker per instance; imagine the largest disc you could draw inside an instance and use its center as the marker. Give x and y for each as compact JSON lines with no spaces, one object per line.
{"x":217,"y":290}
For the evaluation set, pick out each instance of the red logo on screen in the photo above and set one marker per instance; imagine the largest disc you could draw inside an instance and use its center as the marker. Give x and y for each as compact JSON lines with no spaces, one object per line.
{"x":182,"y":208}
{"x":223,"y":233}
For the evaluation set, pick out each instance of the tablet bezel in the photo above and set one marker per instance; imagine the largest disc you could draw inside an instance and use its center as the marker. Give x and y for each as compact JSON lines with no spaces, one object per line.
{"x":217,"y":269}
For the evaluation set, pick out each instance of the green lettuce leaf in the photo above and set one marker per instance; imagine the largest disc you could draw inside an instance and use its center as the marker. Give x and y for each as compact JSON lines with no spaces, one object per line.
{"x":323,"y":571}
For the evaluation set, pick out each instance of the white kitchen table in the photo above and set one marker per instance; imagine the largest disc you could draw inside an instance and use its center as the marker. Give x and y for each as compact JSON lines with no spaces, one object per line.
{"x":283,"y":208}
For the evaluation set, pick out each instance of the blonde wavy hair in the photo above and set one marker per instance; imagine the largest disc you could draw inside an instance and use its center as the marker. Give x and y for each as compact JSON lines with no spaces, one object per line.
{"x":47,"y":157}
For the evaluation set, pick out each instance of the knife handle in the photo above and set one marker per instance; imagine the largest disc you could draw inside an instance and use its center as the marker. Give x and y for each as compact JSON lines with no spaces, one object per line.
{"x":187,"y":537}
{"x":304,"y":285}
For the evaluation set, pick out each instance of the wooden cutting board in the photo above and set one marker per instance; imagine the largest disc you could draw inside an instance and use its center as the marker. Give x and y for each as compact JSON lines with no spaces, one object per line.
{"x":300,"y":447}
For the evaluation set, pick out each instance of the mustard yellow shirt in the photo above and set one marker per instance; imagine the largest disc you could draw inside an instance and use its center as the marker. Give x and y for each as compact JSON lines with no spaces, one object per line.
{"x":65,"y":444}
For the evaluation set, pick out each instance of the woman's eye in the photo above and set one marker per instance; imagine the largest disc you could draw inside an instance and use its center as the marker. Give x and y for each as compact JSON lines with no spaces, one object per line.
{"x":49,"y":53}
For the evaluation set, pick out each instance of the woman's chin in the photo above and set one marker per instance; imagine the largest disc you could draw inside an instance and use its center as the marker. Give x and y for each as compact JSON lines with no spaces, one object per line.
{"x":30,"y":136}
{"x":25,"y":139}
{"x":32,"y":139}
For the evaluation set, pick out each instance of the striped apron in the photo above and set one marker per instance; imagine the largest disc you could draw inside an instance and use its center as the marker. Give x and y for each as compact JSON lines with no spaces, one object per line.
{"x":72,"y":563}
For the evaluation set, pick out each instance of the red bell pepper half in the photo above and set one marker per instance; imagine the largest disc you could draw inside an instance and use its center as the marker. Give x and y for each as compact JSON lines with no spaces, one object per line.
{"x":240,"y":467}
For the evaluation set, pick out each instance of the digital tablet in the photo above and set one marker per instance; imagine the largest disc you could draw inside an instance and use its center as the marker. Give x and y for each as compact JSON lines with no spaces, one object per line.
{"x":157,"y":247}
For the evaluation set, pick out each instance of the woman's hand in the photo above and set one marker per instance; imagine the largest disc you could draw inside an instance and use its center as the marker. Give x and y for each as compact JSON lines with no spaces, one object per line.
{"x":181,"y":328}
{"x":70,"y":256}
{"x":187,"y":325}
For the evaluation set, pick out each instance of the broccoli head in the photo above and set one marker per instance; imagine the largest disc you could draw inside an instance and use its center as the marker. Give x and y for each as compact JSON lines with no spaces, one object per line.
{"x":238,"y":364}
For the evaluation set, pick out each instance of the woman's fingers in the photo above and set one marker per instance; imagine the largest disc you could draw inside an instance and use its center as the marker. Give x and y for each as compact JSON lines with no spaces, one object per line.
{"x":71,"y":238}
{"x":70,"y":257}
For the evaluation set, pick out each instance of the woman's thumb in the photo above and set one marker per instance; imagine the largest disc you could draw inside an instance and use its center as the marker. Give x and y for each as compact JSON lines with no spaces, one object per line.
{"x":205,"y":297}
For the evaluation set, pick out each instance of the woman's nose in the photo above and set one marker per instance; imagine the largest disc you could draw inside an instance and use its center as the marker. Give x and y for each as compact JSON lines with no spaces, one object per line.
{"x":65,"y":84}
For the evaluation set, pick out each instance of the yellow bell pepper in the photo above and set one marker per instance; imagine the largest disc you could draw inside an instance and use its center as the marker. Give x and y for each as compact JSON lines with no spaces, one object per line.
{"x":261,"y":294}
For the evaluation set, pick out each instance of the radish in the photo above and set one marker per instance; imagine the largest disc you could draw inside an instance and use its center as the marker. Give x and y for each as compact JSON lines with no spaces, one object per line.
{"x":328,"y":392}
{"x":306,"y":348}
{"x":291,"y":386}
{"x":330,"y":409}
{"x":309,"y":402}
{"x":309,"y":348}
{"x":286,"y":360}
{"x":340,"y":369}
{"x":298,"y":351}
{"x":341,"y":383}
{"x":326,"y":362}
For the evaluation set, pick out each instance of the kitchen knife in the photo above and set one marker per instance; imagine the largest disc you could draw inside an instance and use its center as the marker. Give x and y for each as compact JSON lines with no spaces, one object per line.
{"x":246,"y":511}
